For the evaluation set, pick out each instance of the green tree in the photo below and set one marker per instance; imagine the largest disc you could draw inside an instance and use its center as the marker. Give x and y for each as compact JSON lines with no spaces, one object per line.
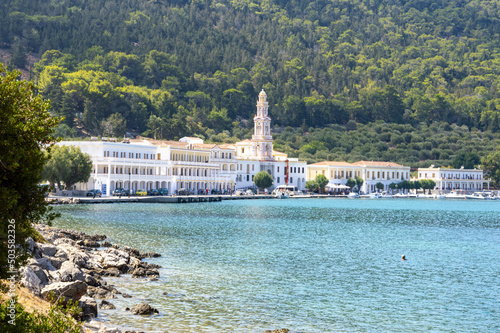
{"x":115,"y":126}
{"x":466,"y":160}
{"x":64,"y":131}
{"x":491,"y":164}
{"x":321,"y":181}
{"x":156,"y":127}
{"x":379,"y":186}
{"x":351,"y":183}
{"x":311,"y":185}
{"x":263,"y":180}
{"x":25,"y":129}
{"x":68,"y":165}
{"x":359,"y":183}
{"x":427,"y":184}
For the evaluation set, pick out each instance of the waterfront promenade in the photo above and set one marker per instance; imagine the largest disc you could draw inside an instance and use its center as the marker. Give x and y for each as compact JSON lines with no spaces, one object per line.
{"x":167,"y":199}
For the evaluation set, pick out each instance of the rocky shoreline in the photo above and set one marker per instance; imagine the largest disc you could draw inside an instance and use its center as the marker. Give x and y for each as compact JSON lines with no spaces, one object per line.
{"x":72,"y":265}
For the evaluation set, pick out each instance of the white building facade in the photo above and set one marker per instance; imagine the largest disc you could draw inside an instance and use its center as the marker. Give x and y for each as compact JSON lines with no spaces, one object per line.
{"x":257,"y":155}
{"x":371,"y":172}
{"x":150,"y":164}
{"x":455,"y":179}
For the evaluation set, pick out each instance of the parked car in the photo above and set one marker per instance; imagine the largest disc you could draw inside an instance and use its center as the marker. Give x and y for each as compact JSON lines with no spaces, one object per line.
{"x":239,"y":192}
{"x":163,"y":191}
{"x":153,"y":192}
{"x":141,"y":192}
{"x":183,"y":191}
{"x":201,"y":191}
{"x":126,"y":193}
{"x":118,"y":191}
{"x":249,"y":192}
{"x":94,"y":193}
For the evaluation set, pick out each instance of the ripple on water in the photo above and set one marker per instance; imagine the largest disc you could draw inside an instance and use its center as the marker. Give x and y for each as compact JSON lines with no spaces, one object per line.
{"x":310,"y":265}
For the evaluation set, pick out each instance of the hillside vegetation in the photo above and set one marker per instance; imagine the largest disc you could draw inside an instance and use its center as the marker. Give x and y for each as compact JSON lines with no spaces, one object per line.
{"x":366,"y":79}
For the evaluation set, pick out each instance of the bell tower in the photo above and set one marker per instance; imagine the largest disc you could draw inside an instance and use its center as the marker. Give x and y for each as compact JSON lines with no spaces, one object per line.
{"x":262,"y":141}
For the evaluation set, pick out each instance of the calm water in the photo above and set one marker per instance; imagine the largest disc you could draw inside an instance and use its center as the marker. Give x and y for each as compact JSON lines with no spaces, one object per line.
{"x":311,"y":265}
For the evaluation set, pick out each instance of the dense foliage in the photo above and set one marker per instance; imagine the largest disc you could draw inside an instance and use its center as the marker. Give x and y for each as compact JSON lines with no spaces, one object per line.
{"x":175,"y":68}
{"x":421,"y":145}
{"x":25,"y":130}
{"x":263,"y":180}
{"x":59,"y":319}
{"x":68,"y":165}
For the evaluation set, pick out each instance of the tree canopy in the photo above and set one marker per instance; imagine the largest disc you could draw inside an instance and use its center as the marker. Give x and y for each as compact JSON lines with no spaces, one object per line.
{"x":68,"y":165}
{"x":321,"y":181}
{"x":409,"y":81}
{"x":491,"y":164}
{"x":263,"y":180}
{"x":26,"y":128}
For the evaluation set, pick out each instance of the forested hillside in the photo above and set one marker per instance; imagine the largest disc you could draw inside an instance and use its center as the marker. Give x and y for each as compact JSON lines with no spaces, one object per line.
{"x":175,"y":68}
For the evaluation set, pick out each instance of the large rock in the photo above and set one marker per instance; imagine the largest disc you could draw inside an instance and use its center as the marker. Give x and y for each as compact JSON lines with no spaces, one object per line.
{"x":102,"y":292}
{"x":70,"y":272}
{"x":64,"y":240}
{"x":143,"y":309}
{"x":33,"y":248}
{"x":40,"y":273}
{"x":30,"y":280}
{"x":70,"y":290}
{"x":45,"y":263}
{"x":79,"y":257}
{"x":89,"y":308}
{"x":48,"y":250}
{"x":105,"y":305}
{"x":115,"y":258}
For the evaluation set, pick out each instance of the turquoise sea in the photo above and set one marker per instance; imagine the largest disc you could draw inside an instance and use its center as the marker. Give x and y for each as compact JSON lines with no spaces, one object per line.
{"x":310,"y":265}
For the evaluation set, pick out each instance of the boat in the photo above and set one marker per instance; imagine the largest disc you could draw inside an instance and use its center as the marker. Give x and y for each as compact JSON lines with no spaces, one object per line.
{"x":374,"y":195}
{"x":401,"y":196}
{"x":456,"y":194}
{"x":285,"y":191}
{"x":484,"y":195}
{"x":386,"y":195}
{"x":353,"y":195}
{"x":282,"y":195}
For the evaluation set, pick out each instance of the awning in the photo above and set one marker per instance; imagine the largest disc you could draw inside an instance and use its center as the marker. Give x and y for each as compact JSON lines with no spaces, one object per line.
{"x":339,"y":186}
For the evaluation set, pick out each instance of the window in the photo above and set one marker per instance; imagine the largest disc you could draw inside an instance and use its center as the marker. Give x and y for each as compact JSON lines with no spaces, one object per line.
{"x":253,"y":168}
{"x":291,"y":179}
{"x":278,"y":169}
{"x":302,"y":169}
{"x":278,"y":180}
{"x":248,"y":178}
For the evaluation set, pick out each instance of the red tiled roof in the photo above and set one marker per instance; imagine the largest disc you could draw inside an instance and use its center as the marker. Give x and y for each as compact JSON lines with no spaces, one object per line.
{"x":333,"y":163}
{"x":377,"y":163}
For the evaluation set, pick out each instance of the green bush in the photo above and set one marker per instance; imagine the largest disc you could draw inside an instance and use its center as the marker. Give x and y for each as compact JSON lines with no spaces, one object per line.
{"x":59,"y":319}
